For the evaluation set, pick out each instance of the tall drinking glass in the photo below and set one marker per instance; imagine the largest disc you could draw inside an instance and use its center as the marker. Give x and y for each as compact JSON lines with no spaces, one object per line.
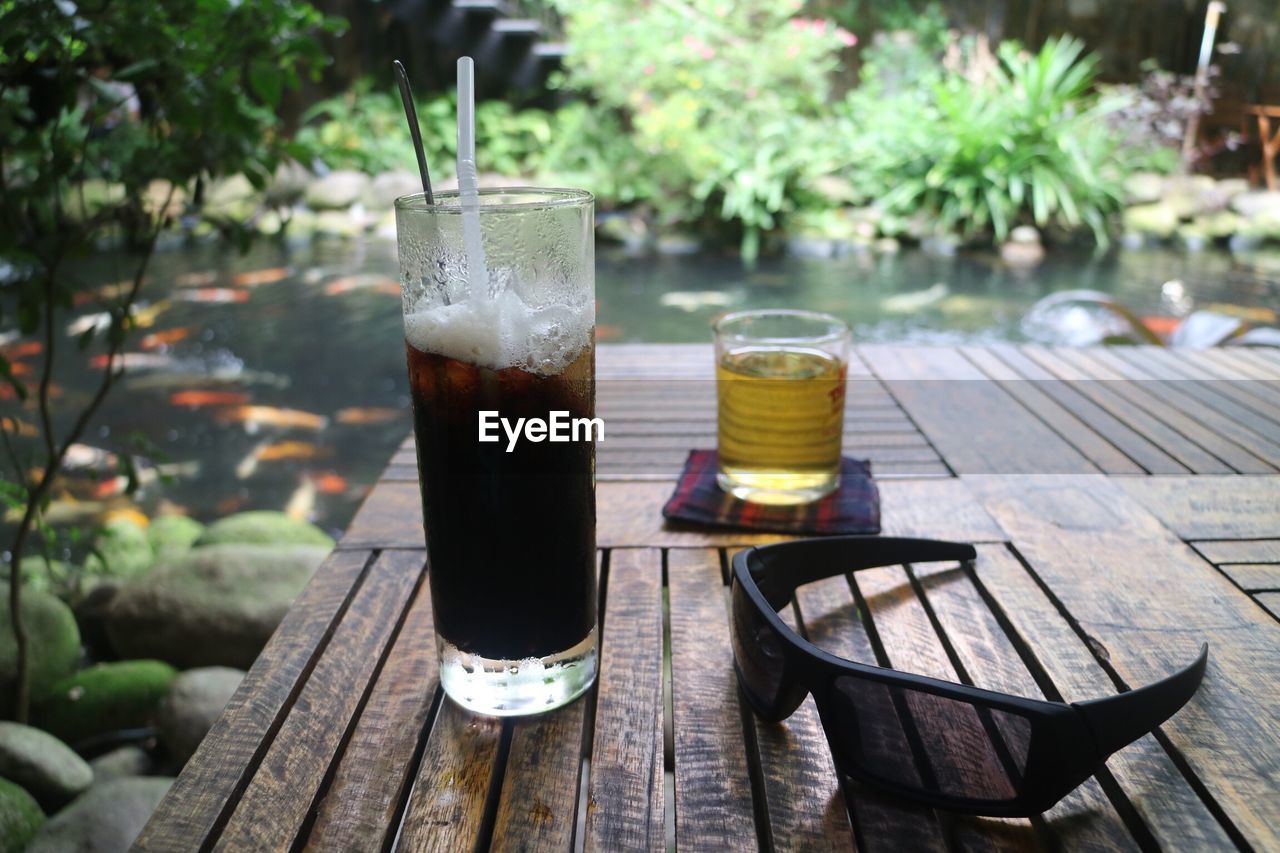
{"x":510,"y":525}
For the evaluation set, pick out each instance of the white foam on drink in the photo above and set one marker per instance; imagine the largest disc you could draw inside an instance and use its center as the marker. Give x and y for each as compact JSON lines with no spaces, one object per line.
{"x":503,"y":332}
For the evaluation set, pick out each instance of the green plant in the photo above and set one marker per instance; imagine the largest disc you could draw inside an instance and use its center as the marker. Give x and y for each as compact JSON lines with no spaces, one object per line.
{"x":1026,"y":142}
{"x":714,"y":94}
{"x":365,"y":129}
{"x":110,"y":115}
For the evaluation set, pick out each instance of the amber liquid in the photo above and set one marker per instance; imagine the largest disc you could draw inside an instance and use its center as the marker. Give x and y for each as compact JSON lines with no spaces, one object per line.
{"x":510,"y":536}
{"x":780,"y":419}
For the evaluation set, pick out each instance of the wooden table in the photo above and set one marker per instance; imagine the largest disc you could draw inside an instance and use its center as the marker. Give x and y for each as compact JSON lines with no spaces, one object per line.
{"x":1126,"y":507}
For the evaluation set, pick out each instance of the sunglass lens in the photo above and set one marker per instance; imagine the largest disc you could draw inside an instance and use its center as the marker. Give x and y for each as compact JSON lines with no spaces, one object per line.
{"x":929,"y":743}
{"x":757,"y":650}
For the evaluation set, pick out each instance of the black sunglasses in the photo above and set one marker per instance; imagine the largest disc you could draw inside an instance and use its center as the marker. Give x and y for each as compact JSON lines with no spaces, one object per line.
{"x":946,"y":745}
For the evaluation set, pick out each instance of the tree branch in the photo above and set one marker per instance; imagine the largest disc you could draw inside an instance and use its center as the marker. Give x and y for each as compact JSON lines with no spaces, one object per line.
{"x":36,"y":498}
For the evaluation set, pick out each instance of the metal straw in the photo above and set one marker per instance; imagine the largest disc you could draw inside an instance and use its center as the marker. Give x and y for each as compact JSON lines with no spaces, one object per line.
{"x":411,"y":114}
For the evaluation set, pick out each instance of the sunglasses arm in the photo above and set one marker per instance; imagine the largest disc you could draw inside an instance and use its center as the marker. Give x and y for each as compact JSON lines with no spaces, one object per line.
{"x":1117,"y":721}
{"x":816,"y":559}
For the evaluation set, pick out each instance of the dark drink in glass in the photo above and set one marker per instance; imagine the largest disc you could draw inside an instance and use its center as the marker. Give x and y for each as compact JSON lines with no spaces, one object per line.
{"x":509,"y":512}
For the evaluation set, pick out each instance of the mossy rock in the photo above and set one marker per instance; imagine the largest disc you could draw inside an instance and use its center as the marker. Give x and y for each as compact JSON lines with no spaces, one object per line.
{"x":46,"y":767}
{"x":173,"y":535}
{"x":105,"y":698}
{"x":216,"y":605}
{"x":20,"y":817}
{"x":1157,"y":219}
{"x":40,"y":573}
{"x":107,"y":818}
{"x":125,"y":550}
{"x":54,"y":643}
{"x":263,"y":527}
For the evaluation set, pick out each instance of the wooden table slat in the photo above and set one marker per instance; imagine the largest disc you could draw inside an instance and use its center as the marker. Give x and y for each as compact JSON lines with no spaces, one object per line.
{"x":375,"y":769}
{"x":1111,"y":428}
{"x":214,"y":777}
{"x":1236,"y":446}
{"x":1116,"y":399}
{"x":1216,"y":398}
{"x":712,"y":784}
{"x":1086,"y":817}
{"x":1240,"y":551}
{"x":446,"y":809}
{"x":279,"y":798}
{"x":539,"y":804}
{"x":1172,"y":811}
{"x":830,"y":618}
{"x":940,"y":390}
{"x":1098,"y":450}
{"x":911,"y":643}
{"x":625,"y":808}
{"x":1205,"y":507}
{"x":1148,"y":604}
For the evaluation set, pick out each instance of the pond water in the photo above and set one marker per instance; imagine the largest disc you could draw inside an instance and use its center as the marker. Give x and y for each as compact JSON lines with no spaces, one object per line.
{"x":277,"y":378}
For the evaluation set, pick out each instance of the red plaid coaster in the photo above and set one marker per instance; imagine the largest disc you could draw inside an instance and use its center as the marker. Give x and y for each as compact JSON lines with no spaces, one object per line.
{"x":853,"y":508}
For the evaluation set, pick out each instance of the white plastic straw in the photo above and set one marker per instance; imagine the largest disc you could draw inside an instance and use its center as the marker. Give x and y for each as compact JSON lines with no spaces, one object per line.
{"x":468,"y":180}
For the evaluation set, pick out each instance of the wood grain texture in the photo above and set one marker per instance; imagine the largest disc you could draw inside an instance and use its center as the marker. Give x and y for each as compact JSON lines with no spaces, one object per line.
{"x":802,"y":791}
{"x":1220,"y":399}
{"x":1085,"y":818}
{"x":1253,"y":577}
{"x":939,"y":509}
{"x":1235,"y":376}
{"x":1118,"y":399}
{"x":279,"y":797}
{"x":974,"y":424}
{"x":540,"y":786}
{"x":1270,"y":602}
{"x":1147,"y":602}
{"x":830,"y":620}
{"x":712,"y":785}
{"x":1151,"y":782}
{"x":390,"y":517}
{"x":446,"y":808}
{"x":1031,"y":395}
{"x":213,"y":779}
{"x":539,"y":800}
{"x":1226,"y":440}
{"x":912,"y":644}
{"x":1124,"y":437}
{"x":625,"y":801}
{"x":1207,"y":507}
{"x":629,"y":515}
{"x":375,"y":769}
{"x":1240,"y":551}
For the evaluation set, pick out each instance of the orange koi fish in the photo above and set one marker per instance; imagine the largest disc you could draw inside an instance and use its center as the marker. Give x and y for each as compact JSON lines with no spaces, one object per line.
{"x":255,"y":416}
{"x":197,"y":399}
{"x":26,"y":349}
{"x":292,"y":450}
{"x":349,"y":283}
{"x":155,"y":340}
{"x":365,"y":416}
{"x":257,"y":277}
{"x":330,"y":483}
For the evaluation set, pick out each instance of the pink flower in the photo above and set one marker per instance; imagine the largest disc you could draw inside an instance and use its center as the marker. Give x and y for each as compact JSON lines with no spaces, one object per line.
{"x":649,"y":69}
{"x":707,"y":53}
{"x":847,"y":38}
{"x":793,"y":50}
{"x":693,"y":43}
